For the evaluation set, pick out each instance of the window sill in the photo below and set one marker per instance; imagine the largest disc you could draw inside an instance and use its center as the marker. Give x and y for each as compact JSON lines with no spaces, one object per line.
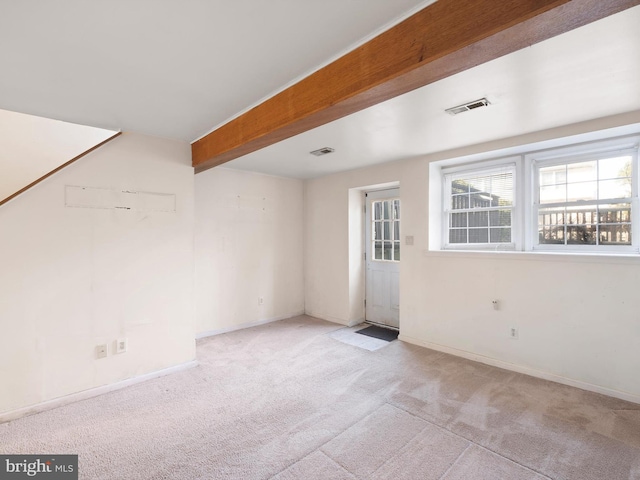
{"x":539,"y":256}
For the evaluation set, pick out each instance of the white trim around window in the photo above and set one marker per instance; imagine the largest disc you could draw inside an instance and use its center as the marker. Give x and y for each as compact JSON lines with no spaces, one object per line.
{"x":580,"y":198}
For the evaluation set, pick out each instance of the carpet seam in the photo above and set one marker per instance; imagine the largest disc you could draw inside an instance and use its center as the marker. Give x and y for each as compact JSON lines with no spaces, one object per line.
{"x":355,"y":423}
{"x":319,"y":448}
{"x":456,"y":461}
{"x":471,"y":442}
{"x":307,"y":456}
{"x":405,"y":445}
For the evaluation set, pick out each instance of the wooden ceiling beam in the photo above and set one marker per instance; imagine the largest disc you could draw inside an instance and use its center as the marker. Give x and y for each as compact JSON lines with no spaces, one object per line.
{"x":443,"y":39}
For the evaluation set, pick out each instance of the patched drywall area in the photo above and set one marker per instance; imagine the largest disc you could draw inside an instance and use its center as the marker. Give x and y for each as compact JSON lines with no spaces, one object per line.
{"x":78,"y":275}
{"x":249,"y":249}
{"x":577,"y":316}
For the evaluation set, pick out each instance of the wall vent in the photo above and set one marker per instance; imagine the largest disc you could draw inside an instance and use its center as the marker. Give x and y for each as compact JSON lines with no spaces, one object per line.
{"x":322,"y":151}
{"x":483,"y":102}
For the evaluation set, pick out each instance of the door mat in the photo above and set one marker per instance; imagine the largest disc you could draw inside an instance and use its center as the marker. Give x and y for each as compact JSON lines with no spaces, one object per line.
{"x":379,"y":332}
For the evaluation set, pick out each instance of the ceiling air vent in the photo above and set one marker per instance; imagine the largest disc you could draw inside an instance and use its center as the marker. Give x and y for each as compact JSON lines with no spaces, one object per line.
{"x":483,"y":102}
{"x":322,"y":151}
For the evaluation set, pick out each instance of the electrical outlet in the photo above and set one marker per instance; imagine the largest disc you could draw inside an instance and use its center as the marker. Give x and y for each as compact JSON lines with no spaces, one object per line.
{"x":496,"y":304}
{"x":121,"y":345}
{"x":513,"y":333}
{"x":101,"y":351}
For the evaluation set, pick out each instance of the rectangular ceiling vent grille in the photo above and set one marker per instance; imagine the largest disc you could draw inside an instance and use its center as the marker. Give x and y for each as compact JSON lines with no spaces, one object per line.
{"x":322,"y":151}
{"x":483,"y":102}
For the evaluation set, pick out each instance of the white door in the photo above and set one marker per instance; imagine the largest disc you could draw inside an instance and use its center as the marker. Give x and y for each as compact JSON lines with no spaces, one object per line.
{"x":383,"y":257}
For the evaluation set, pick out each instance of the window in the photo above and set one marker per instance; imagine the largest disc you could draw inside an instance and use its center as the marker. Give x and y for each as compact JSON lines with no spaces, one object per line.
{"x":576,"y":198}
{"x":479,"y":207}
{"x":386,"y":229}
{"x":585,"y":201}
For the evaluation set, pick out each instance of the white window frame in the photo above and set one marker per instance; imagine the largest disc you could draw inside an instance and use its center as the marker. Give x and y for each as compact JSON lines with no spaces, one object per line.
{"x":392,"y":219}
{"x":488,"y":167}
{"x":524,"y":226}
{"x":581,"y":153}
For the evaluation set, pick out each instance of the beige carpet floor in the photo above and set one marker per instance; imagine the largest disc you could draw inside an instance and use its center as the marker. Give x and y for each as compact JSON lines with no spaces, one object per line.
{"x":288,"y":401}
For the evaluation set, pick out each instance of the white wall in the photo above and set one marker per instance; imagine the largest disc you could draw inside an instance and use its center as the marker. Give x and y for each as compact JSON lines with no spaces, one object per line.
{"x":34,"y":146}
{"x":577,"y":316}
{"x":249,"y":244}
{"x":73,"y":278}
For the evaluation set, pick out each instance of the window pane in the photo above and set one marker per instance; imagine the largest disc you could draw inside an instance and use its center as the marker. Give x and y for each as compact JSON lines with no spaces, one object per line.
{"x":396,"y":209}
{"x":388,"y":251}
{"x":457,"y":236}
{"x":582,"y":191}
{"x":459,"y":202}
{"x":480,"y":200}
{"x":551,"y":235}
{"x":459,"y":186}
{"x":588,"y":182}
{"x":377,"y":210}
{"x":581,"y":215}
{"x":458,"y":220}
{"x":479,"y":219}
{"x":551,"y":216}
{"x":581,"y":234}
{"x":615,"y":234}
{"x":501,"y":189}
{"x":618,"y":167}
{"x":385,"y":209}
{"x":396,"y":251}
{"x":377,"y":233}
{"x":387,"y":231}
{"x":490,"y":190}
{"x":553,"y":194}
{"x":554,"y":175}
{"x":377,"y":250}
{"x":618,"y":213}
{"x":582,"y":172}
{"x":478,"y":235}
{"x":500,"y":218}
{"x":481,"y":193}
{"x":619,"y":188}
{"x":396,"y":230}
{"x":500,"y":235}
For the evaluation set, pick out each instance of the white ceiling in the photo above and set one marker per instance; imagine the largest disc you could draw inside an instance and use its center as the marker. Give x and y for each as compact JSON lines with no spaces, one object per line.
{"x":588,"y":73}
{"x":179,"y":69}
{"x":171,"y":68}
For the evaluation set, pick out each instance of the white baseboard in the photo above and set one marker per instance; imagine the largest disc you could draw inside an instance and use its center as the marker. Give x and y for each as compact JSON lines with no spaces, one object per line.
{"x":92,"y":392}
{"x":331,"y":319}
{"x":630,"y":397}
{"x":242,"y":326}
